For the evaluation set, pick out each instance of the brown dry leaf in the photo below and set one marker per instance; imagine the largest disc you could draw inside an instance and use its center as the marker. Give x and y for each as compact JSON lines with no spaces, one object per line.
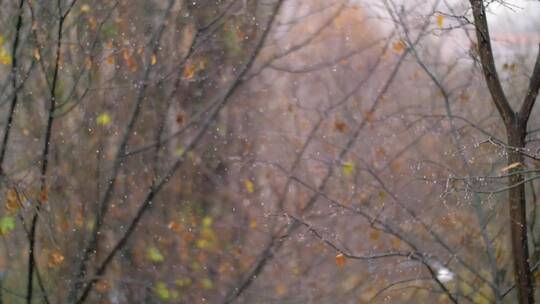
{"x":341,"y":260}
{"x":340,"y":126}
{"x":79,"y":218}
{"x":12,"y":201}
{"x":110,"y":59}
{"x":189,"y":71}
{"x":64,"y":224}
{"x":130,"y":61}
{"x":396,"y":243}
{"x":290,"y":108}
{"x":88,"y":63}
{"x":180,"y":118}
{"x":92,"y":22}
{"x":44,"y":195}
{"x":464,"y":97}
{"x":369,"y":116}
{"x":374,"y":235}
{"x":240,"y":34}
{"x":396,"y":165}
{"x":102,"y":286}
{"x":56,"y":258}
{"x":281,"y":289}
{"x":380,"y":152}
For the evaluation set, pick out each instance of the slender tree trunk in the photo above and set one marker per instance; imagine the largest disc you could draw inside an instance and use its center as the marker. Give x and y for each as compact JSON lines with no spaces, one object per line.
{"x":518,"y":214}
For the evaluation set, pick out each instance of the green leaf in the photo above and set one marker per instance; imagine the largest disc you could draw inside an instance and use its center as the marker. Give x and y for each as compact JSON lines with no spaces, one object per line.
{"x":207,"y":284}
{"x":183,"y":282}
{"x":7,"y":224}
{"x":162,"y":292}
{"x":155,"y":255}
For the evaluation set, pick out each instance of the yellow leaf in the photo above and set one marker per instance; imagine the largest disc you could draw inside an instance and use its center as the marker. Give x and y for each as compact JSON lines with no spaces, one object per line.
{"x":36,"y":54}
{"x":85,"y":8}
{"x":340,"y":260}
{"x":249,"y":186}
{"x":153,"y":60}
{"x":440,"y":20}
{"x":103,"y":119}
{"x":348,"y":168}
{"x":511,"y":166}
{"x":5,"y":58}
{"x":207,"y":222}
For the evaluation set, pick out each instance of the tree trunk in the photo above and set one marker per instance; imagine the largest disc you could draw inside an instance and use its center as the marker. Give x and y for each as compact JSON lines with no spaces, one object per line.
{"x":518,"y":214}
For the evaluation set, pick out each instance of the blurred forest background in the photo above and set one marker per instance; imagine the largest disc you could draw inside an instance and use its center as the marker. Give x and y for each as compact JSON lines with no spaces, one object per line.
{"x":263,"y":151}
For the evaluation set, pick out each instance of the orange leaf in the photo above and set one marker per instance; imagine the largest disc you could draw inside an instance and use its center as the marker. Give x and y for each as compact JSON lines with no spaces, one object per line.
{"x":399,"y":46}
{"x":189,"y":71}
{"x":174,"y":226}
{"x":340,"y":260}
